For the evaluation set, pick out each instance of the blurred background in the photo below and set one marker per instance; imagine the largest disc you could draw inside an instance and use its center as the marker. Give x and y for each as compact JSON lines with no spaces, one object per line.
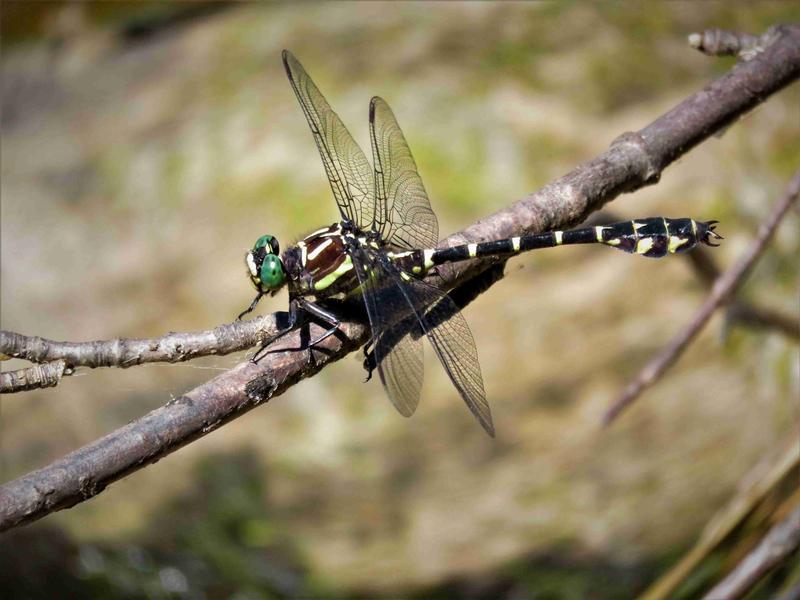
{"x":145,"y":146}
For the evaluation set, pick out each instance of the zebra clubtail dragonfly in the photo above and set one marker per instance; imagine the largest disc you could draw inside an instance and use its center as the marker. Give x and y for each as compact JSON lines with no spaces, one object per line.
{"x":385,"y":243}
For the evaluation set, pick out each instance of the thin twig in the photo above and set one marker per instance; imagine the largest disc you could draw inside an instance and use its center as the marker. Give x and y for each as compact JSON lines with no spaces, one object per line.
{"x":723,"y":288}
{"x":767,"y":476}
{"x":719,"y":42}
{"x":740,"y":312}
{"x":781,"y":541}
{"x":34,"y":377}
{"x":127,"y":352}
{"x":633,"y":161}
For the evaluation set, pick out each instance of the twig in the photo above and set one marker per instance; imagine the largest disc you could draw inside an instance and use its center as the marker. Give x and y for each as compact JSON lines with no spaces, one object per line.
{"x":34,"y":377}
{"x":634,"y":160}
{"x":127,"y":352}
{"x":87,"y":471}
{"x":724,"y":287}
{"x":793,"y":593}
{"x":718,"y":42}
{"x":770,"y":474}
{"x":765,"y":318}
{"x":780,"y":542}
{"x":740,"y":312}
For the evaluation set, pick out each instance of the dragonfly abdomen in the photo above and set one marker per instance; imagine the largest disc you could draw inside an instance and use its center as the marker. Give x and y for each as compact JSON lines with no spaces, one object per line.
{"x":653,"y":237}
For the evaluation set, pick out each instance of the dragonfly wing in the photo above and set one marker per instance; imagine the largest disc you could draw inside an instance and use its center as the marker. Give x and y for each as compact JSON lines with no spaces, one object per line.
{"x":401,"y":371}
{"x":451,"y":338}
{"x":398,"y":353}
{"x":346,"y":166}
{"x":403,"y":213}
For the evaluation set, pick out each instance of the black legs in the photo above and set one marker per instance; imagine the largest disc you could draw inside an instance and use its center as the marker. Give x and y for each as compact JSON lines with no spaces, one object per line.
{"x":299,"y":308}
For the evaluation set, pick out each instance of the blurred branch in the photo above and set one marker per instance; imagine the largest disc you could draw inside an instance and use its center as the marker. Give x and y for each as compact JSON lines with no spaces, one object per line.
{"x":634,"y":160}
{"x":740,"y":312}
{"x":793,"y":593}
{"x":718,"y":42}
{"x":781,"y":541}
{"x":723,"y":289}
{"x":765,"y":318}
{"x":765,"y":477}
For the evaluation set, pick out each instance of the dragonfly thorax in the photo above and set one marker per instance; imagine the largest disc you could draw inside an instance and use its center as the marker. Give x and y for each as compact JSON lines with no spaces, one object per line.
{"x":320,"y":263}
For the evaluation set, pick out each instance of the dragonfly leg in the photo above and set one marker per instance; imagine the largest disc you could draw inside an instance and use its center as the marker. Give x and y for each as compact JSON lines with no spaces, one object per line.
{"x":369,"y":359}
{"x":315,"y":310}
{"x":294,"y":316}
{"x":250,"y":308}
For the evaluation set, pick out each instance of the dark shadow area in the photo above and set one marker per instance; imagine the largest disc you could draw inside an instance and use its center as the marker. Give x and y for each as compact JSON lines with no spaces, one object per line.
{"x":154,"y":22}
{"x":217,"y":540}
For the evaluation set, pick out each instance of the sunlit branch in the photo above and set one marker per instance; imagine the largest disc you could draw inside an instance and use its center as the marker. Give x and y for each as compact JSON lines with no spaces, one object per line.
{"x":779,"y":543}
{"x":34,"y":377}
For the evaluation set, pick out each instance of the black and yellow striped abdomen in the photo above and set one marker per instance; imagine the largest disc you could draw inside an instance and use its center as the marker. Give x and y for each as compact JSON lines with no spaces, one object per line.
{"x":653,"y":237}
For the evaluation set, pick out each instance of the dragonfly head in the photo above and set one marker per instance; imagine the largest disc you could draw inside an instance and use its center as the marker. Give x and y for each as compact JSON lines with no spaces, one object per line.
{"x":265,"y":266}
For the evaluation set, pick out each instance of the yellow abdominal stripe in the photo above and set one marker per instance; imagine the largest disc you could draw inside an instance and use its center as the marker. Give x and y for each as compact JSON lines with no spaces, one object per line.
{"x":598,"y":232}
{"x":676,"y":242}
{"x":644,"y":245}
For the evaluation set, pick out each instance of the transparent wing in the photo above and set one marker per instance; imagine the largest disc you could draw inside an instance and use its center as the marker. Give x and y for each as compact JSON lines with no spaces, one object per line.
{"x":401,"y":371}
{"x":398,"y":353}
{"x":402,"y":308}
{"x":346,"y":166}
{"x":451,"y":338}
{"x":403,"y":213}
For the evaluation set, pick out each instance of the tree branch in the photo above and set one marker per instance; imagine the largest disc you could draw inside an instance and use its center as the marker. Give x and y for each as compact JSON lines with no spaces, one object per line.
{"x":765,"y":318}
{"x":781,"y":541}
{"x":739,"y":311}
{"x":633,"y":161}
{"x":128,"y":352}
{"x":771,"y":473}
{"x":86,"y":472}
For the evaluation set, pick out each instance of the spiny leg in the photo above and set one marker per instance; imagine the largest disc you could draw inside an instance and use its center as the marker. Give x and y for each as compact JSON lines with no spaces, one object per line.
{"x":322,"y":314}
{"x":250,"y":308}
{"x":370,"y":364}
{"x":294,"y":315}
{"x":299,"y":307}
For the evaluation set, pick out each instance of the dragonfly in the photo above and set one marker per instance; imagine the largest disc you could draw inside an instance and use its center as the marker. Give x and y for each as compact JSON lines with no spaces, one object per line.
{"x":385,"y":244}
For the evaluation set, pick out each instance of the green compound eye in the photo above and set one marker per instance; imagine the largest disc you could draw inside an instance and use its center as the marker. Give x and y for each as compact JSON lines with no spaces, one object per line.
{"x":269,"y":243}
{"x":271,"y":273}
